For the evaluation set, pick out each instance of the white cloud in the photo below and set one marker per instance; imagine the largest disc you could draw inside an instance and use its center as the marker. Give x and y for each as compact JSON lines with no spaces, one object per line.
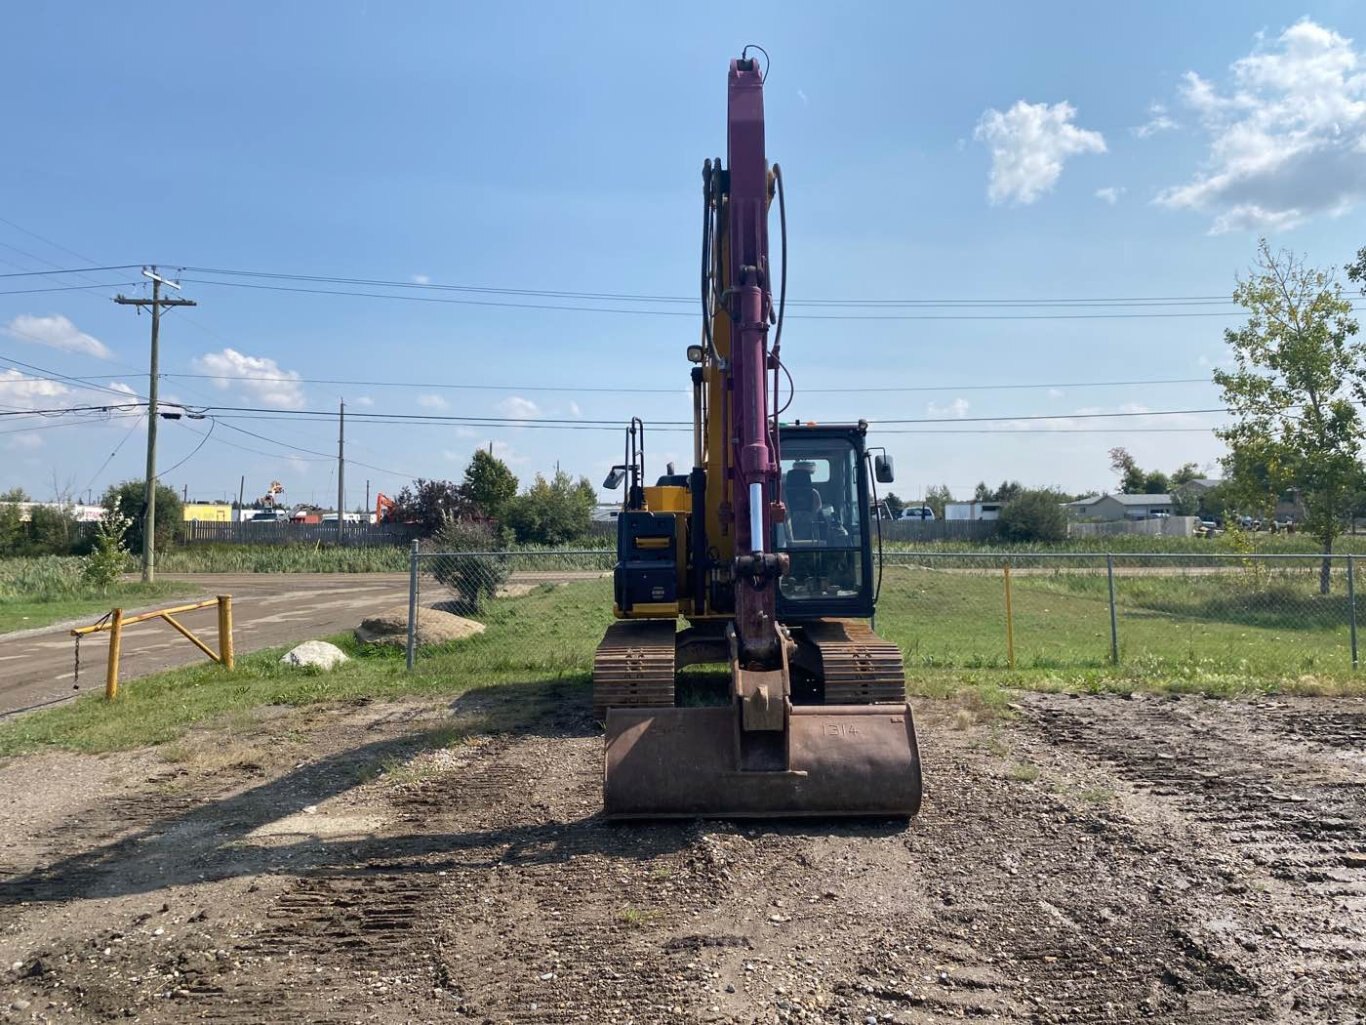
{"x":431,"y":402}
{"x":517,"y":408}
{"x":957,"y":409}
{"x":421,"y":279}
{"x":56,"y":332}
{"x":259,"y":377}
{"x":26,"y":392}
{"x":574,"y":409}
{"x":1287,"y":138}
{"x":364,"y":400}
{"x":25,"y":442}
{"x":1159,"y":121}
{"x":1111,"y":193}
{"x":1055,"y":393}
{"x":121,"y":387}
{"x":1029,"y":144}
{"x":801,"y":95}
{"x":466,"y":432}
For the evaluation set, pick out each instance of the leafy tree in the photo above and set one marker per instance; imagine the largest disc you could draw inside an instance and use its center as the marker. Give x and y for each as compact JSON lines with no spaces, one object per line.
{"x":11,"y":529}
{"x":1132,"y":480}
{"x":1156,"y":483}
{"x":1008,"y":491}
{"x":981,"y":493}
{"x":1185,"y":502}
{"x":431,"y":503}
{"x":489,"y":485}
{"x":15,"y":495}
{"x":1296,"y":372}
{"x":936,"y":497}
{"x":1034,"y":515}
{"x":1184,"y":474}
{"x":127,"y":500}
{"x":552,"y":512}
{"x":894,"y":505}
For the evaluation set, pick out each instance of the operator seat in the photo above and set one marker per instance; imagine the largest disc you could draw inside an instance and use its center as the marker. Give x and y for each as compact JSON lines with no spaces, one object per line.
{"x":805,"y":519}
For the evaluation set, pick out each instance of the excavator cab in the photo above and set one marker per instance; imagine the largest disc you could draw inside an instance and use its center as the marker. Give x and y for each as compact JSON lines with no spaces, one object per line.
{"x":825,"y":535}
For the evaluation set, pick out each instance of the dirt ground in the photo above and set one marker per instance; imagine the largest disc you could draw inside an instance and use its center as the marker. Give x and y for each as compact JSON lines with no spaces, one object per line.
{"x":1090,"y":859}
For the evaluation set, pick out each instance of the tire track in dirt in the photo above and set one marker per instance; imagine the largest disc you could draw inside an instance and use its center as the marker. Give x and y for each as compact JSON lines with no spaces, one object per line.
{"x":1275,"y":794}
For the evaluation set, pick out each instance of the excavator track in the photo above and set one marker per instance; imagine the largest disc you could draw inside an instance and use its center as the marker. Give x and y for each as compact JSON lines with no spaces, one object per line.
{"x":858,"y":666}
{"x":634,"y":666}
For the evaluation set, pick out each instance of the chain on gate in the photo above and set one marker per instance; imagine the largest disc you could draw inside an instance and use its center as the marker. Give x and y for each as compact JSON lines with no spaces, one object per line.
{"x":76,"y":674}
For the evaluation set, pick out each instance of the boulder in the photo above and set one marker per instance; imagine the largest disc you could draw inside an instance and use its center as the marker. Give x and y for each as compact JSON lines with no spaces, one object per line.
{"x":315,"y":653}
{"x":433,"y":627}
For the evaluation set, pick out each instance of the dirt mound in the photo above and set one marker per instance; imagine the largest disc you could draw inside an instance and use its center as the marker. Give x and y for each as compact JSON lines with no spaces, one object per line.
{"x":433,"y":627}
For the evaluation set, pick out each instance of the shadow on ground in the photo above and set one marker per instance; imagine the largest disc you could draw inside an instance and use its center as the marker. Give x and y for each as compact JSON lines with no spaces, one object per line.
{"x":209,"y":840}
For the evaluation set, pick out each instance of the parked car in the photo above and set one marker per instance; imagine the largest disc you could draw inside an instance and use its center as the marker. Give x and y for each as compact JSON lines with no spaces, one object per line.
{"x":917,"y":512}
{"x":269,"y":516}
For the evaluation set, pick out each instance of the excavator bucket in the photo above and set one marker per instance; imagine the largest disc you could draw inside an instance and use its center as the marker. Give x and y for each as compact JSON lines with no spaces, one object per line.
{"x":834,"y":760}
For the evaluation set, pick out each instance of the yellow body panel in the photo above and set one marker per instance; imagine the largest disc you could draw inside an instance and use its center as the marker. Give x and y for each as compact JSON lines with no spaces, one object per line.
{"x":667,"y":499}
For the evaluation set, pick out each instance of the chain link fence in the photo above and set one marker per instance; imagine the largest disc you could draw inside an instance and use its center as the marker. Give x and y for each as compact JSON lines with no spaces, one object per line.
{"x":1168,"y":614}
{"x":474,"y":585}
{"x":1263,"y":615}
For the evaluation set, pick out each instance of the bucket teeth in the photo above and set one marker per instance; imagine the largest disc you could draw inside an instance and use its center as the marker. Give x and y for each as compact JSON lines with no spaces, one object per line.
{"x":634,"y":667}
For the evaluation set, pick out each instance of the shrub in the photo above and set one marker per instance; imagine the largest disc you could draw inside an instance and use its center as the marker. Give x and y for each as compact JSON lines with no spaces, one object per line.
{"x":1034,"y":516}
{"x":473,"y":579}
{"x":108,"y":559}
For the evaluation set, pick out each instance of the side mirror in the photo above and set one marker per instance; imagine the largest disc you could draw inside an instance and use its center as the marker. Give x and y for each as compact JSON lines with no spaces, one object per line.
{"x":614,"y":478}
{"x":882,"y":469}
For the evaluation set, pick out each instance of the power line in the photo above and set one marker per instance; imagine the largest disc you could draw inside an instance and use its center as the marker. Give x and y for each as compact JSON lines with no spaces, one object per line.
{"x":681,"y":391}
{"x":62,"y":270}
{"x":69,"y":288}
{"x":58,"y":378}
{"x":692,"y":314}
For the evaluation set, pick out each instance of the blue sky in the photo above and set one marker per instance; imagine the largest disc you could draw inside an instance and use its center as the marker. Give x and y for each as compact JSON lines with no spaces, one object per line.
{"x":1020,"y":152}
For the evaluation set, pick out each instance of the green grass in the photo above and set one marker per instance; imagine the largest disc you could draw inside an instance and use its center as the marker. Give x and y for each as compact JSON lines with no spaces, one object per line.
{"x":1225,"y":634}
{"x":1262,"y":542}
{"x":39,"y":591}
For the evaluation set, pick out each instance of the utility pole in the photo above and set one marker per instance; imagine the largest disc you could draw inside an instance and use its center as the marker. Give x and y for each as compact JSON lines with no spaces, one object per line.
{"x":341,"y":468}
{"x":366,"y":518}
{"x":149,"y":520}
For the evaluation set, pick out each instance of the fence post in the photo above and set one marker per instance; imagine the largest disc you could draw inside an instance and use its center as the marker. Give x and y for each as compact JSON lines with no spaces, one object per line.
{"x":111,"y":675}
{"x":1352,"y":605}
{"x":1114,"y":617}
{"x":1010,"y":620}
{"x":225,"y":652}
{"x":412,"y":604}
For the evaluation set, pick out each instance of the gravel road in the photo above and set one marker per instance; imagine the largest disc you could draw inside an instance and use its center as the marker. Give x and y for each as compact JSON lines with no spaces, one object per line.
{"x":37,"y":667}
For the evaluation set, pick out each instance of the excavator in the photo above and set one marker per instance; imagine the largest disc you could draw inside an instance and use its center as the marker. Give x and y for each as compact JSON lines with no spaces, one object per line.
{"x":763,"y":551}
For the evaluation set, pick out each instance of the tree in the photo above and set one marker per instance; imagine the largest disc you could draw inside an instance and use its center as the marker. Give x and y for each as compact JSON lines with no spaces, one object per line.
{"x":1185,"y":473}
{"x":1034,"y":515}
{"x":1296,"y":372}
{"x":15,"y":495}
{"x":489,"y":485}
{"x":1131,"y":478}
{"x":129,"y":500}
{"x":894,"y":505}
{"x":552,"y":512}
{"x":1155,"y":483}
{"x":981,"y":493}
{"x":936,"y":497}
{"x":1009,"y":490}
{"x":430,"y":503}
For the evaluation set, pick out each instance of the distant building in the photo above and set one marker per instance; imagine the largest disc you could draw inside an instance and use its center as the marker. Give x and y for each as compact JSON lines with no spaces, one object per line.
{"x":1110,"y":508}
{"x":207,"y":512}
{"x":80,"y":513}
{"x":972,"y":510}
